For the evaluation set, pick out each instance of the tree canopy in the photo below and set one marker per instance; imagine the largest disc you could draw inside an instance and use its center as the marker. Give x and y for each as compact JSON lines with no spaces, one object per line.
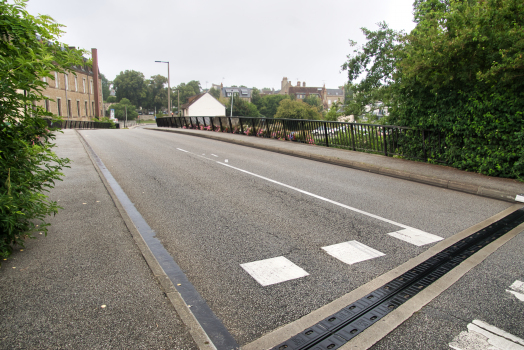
{"x":29,"y":51}
{"x":121,"y":108}
{"x":131,"y":84}
{"x":241,"y":108}
{"x":294,"y":109}
{"x":268,"y":105}
{"x":459,"y":72}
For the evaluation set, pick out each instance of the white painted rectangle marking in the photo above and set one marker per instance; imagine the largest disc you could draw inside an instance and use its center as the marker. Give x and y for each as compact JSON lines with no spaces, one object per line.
{"x":416,"y":237}
{"x":273,"y":270}
{"x":483,"y":336}
{"x":519,"y":198}
{"x":517,"y":290}
{"x":352,"y":252}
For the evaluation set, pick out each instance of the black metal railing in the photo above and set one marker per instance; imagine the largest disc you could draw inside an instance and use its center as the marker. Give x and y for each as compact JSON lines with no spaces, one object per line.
{"x":77,"y":124}
{"x":388,"y":140}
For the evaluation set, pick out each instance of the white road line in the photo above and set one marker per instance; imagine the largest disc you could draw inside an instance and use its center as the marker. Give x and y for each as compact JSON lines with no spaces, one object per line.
{"x":519,"y":198}
{"x":274,"y":270}
{"x":214,"y":155}
{"x":483,"y":336}
{"x":322,"y":198}
{"x":416,"y":237}
{"x":183,"y":150}
{"x":352,"y":252}
{"x":518,"y":290}
{"x":412,"y":229}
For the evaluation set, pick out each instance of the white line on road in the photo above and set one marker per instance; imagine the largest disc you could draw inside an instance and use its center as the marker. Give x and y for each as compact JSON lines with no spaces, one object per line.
{"x":183,"y":150}
{"x":322,"y":198}
{"x":416,"y":237}
{"x":274,"y":270}
{"x":352,"y":252}
{"x":409,"y":228}
{"x":483,"y":336}
{"x":518,"y":290}
{"x":214,"y":155}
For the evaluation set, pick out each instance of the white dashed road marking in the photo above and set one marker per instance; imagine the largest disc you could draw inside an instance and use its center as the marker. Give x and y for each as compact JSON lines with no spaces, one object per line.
{"x":483,"y":336}
{"x":416,"y":237}
{"x":519,"y":198}
{"x":274,"y":270}
{"x":517,"y":290}
{"x":352,"y":252}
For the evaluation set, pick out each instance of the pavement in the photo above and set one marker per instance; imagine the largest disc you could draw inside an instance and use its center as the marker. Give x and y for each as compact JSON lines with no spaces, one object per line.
{"x":436,"y":175}
{"x":90,"y":283}
{"x":86,"y":285}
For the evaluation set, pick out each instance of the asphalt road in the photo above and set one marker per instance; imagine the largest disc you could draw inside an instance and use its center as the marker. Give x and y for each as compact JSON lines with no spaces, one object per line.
{"x":216,"y":206}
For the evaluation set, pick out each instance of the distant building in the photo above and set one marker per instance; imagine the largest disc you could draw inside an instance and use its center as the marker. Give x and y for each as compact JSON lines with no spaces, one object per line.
{"x":327,"y":96}
{"x":78,"y":95}
{"x":203,"y":105}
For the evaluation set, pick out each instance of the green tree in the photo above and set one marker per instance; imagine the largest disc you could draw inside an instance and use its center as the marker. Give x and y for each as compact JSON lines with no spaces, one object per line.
{"x":186,"y":90}
{"x":105,"y":87}
{"x":111,"y":99}
{"x":460,"y":72}
{"x":268,"y":105}
{"x":156,"y":93}
{"x":241,"y":108}
{"x":29,"y":51}
{"x":293,"y":109}
{"x":333,"y":113}
{"x":314,"y":101}
{"x":255,"y":97}
{"x":375,"y":65}
{"x":215,"y":93}
{"x":120,"y":110}
{"x":131,"y":84}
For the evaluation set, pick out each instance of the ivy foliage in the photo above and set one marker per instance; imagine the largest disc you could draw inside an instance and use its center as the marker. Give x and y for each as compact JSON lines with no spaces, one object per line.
{"x":29,"y":51}
{"x":460,"y":72}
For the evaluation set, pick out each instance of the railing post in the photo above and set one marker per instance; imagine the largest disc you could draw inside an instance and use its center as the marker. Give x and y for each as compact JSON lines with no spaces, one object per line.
{"x":267,"y":128}
{"x":220,"y":122}
{"x":326,"y":134}
{"x":230,"y":125}
{"x":384,"y":133}
{"x":424,"y":146}
{"x":253,"y":125}
{"x":241,"y":125}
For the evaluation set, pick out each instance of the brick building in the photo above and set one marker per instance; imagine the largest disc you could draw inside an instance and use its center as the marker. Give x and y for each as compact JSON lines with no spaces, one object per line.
{"x":76,"y":96}
{"x":327,"y":96}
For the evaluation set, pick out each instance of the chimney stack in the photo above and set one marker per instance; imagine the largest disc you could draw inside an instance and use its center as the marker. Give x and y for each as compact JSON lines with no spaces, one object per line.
{"x":298,"y":83}
{"x":304,"y":84}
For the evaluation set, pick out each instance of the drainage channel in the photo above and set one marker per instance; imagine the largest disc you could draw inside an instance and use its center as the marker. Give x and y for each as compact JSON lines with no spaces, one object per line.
{"x":339,"y":328}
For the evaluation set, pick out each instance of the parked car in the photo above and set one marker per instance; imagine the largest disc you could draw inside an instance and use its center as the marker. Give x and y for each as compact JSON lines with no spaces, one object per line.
{"x":320,"y":131}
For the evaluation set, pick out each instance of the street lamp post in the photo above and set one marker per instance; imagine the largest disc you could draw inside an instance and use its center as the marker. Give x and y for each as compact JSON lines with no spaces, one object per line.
{"x":168,"y":88}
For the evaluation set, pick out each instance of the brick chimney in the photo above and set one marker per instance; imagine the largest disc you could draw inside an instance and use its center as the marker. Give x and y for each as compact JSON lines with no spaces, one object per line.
{"x":298,"y":83}
{"x":97,"y":87}
{"x":304,"y":84}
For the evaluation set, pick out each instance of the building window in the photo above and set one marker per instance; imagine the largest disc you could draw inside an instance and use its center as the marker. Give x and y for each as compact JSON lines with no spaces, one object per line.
{"x":66,"y":78}
{"x":76,"y":84}
{"x":84,"y":84}
{"x":44,"y":79}
{"x":69,"y":110}
{"x":57,"y":82}
{"x":78,"y":108}
{"x":47,"y":105}
{"x":59,"y":106}
{"x":92,"y":108}
{"x":91,"y":85}
{"x":86,"y":108}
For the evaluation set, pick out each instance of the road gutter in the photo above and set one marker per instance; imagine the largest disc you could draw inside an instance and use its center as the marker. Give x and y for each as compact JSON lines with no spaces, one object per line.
{"x":196,"y":330}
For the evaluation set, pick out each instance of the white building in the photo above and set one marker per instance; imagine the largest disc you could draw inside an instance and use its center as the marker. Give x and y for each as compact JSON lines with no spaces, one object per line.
{"x":203,"y":105}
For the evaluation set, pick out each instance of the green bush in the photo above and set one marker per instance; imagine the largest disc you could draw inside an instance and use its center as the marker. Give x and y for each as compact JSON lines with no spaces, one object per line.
{"x":28,"y":51}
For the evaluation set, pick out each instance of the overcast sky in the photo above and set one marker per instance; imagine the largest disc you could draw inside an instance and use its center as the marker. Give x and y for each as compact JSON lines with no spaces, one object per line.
{"x":250,"y":42}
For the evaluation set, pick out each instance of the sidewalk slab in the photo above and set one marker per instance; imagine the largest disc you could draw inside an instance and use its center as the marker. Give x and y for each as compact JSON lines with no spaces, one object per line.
{"x":436,"y":175}
{"x":86,"y":285}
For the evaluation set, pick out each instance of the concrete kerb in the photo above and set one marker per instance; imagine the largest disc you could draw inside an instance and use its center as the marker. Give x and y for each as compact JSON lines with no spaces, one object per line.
{"x":379,"y":330}
{"x":197,"y":332}
{"x":428,"y":180}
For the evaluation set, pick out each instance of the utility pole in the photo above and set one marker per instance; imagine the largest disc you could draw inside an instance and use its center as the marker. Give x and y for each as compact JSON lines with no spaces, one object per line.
{"x":232,"y":95}
{"x":125,"y":123}
{"x":168,"y":88}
